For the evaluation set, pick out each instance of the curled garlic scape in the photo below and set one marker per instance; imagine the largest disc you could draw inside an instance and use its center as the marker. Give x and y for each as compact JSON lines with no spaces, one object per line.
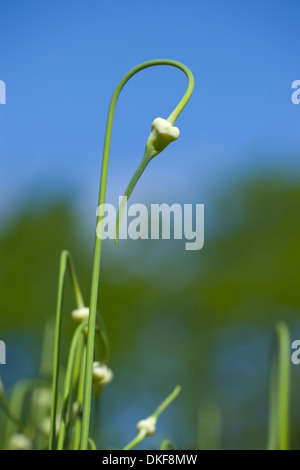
{"x":163,"y":132}
{"x":159,"y":138}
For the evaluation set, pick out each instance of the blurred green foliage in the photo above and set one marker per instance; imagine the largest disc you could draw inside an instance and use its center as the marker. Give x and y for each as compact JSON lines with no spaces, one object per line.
{"x":201,"y":319}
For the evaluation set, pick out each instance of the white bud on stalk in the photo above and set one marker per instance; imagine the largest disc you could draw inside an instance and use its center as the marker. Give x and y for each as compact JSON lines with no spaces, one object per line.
{"x":102,"y":375}
{"x":80,"y":315}
{"x":162,"y":134}
{"x":147,"y":425}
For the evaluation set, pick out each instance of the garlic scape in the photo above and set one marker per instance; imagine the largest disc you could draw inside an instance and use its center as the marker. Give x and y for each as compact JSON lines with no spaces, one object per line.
{"x":163,"y":132}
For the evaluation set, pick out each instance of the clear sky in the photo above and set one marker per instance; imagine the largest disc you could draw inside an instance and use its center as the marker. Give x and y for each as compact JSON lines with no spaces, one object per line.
{"x":61,"y":60}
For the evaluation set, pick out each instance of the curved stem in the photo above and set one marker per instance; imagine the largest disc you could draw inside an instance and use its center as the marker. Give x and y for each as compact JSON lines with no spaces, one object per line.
{"x":92,"y":444}
{"x":104,"y":343}
{"x":65,"y":262}
{"x":98,"y":242}
{"x":139,"y":438}
{"x":165,"y":445}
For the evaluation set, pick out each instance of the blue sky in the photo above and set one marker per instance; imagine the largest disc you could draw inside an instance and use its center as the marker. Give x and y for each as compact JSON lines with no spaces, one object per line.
{"x":61,"y":61}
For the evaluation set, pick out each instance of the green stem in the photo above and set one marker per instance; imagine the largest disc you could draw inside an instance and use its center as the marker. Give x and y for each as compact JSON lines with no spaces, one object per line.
{"x":280,"y":391}
{"x":167,"y":401}
{"x":138,"y":173}
{"x":65,"y":416}
{"x":65,"y":262}
{"x":284,"y":366}
{"x":92,"y":444}
{"x":77,"y":431}
{"x":167,"y":445}
{"x":103,"y":341}
{"x":98,"y":240}
{"x":273,"y":412}
{"x":141,"y":435}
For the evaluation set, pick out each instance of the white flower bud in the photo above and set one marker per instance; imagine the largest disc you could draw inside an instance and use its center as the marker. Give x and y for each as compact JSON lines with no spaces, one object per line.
{"x":148,"y":425}
{"x":162,"y":134}
{"x":42,"y":397}
{"x":102,"y":375}
{"x":80,"y":315}
{"x":20,"y":442}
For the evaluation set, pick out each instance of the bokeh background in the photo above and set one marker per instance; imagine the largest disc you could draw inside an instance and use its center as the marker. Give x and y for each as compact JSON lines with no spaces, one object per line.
{"x":202,"y":319}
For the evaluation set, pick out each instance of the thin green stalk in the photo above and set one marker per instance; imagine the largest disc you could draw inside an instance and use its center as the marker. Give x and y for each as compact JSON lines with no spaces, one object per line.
{"x":273,"y":411}
{"x":65,"y":263}
{"x":104,"y":343}
{"x":75,"y":384}
{"x":139,"y":438}
{"x":284,"y":367}
{"x":98,"y":240}
{"x":77,"y":362}
{"x":92,"y":444}
{"x":46,"y":363}
{"x":65,"y":416}
{"x":167,"y":401}
{"x":165,"y":445}
{"x":280,"y":391}
{"x":138,"y":173}
{"x":80,"y":390}
{"x":102,"y":347}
